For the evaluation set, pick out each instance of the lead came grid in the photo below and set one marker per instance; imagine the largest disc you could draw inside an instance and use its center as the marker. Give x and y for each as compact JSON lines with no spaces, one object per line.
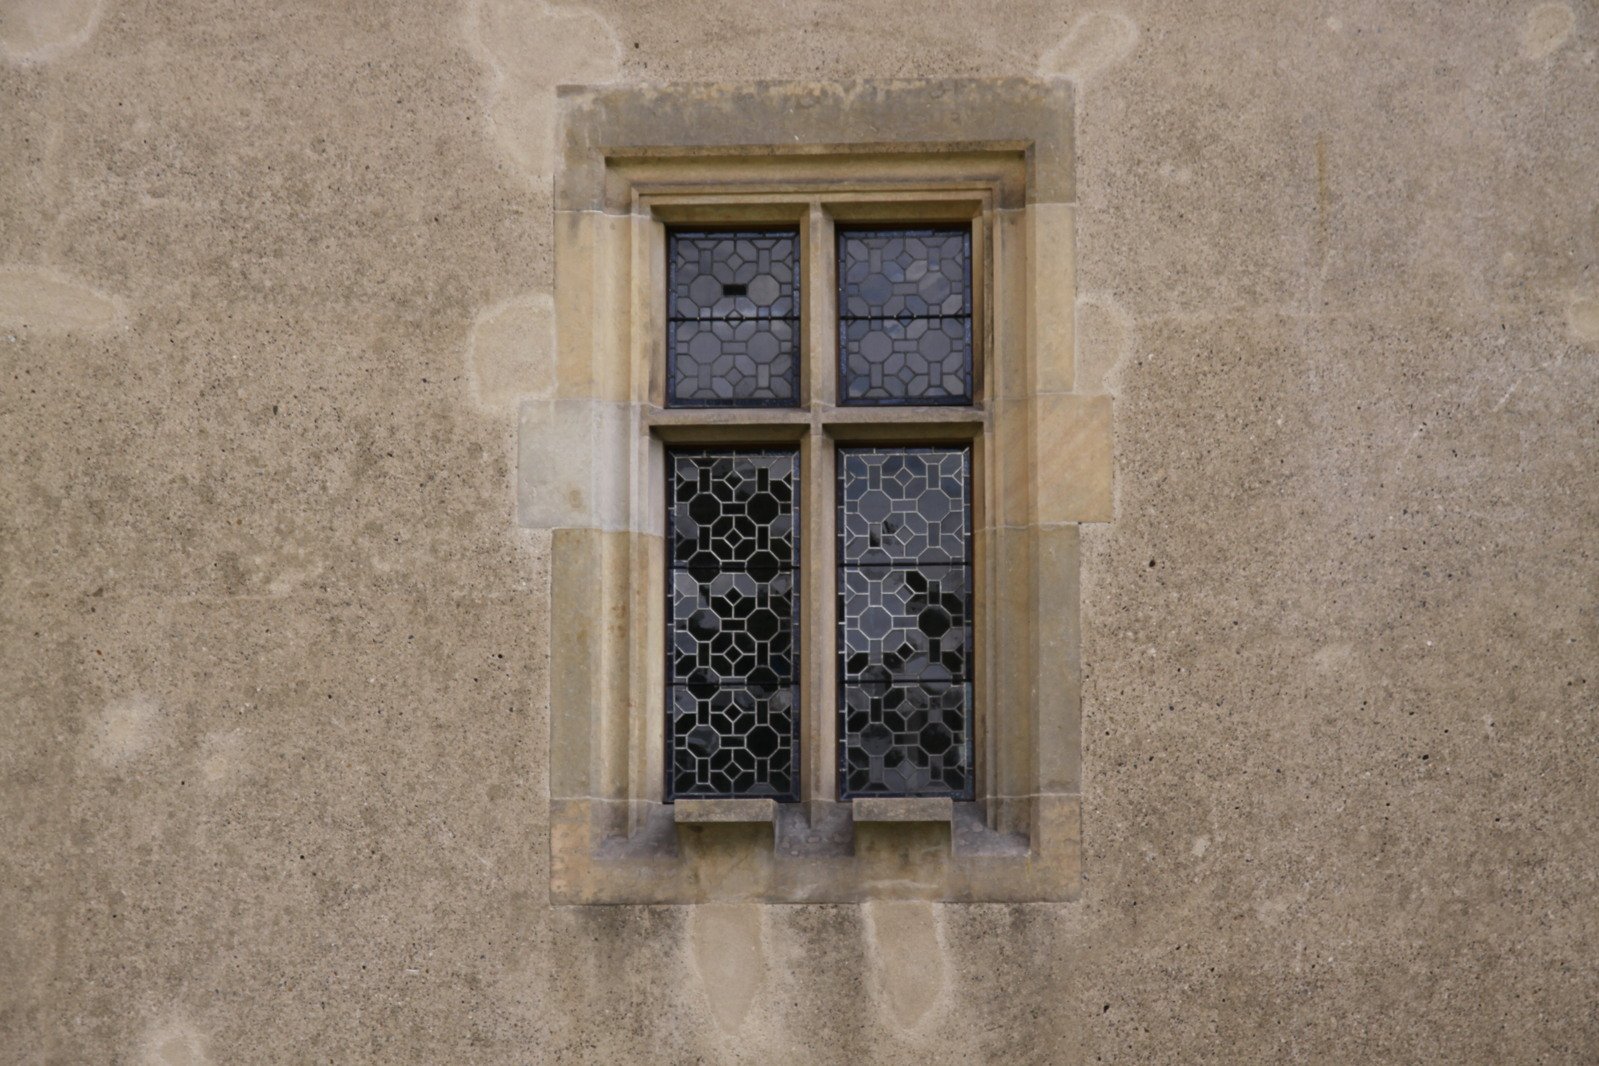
{"x":904,"y":622}
{"x":905,"y":316}
{"x":732,"y":608}
{"x":733,"y":318}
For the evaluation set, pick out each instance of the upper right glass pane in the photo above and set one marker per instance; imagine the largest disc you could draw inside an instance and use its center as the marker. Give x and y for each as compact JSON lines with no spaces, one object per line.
{"x":905,"y":315}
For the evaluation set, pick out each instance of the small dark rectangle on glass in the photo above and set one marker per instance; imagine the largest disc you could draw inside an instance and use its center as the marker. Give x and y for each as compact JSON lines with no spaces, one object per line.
{"x":905,"y":316}
{"x":732,"y":318}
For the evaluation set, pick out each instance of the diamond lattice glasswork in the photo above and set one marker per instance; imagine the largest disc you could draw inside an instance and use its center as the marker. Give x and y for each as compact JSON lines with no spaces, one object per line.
{"x":905,"y":316}
{"x":732,"y":609}
{"x":905,"y":622}
{"x":733,"y":319}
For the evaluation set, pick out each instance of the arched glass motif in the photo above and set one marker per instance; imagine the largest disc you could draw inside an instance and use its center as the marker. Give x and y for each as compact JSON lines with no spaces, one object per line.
{"x":732,"y":611}
{"x":905,"y":622}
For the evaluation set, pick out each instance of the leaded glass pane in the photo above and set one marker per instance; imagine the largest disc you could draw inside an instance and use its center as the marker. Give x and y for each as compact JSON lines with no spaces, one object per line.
{"x":732,"y":627}
{"x":905,"y":622}
{"x":907,"y":740}
{"x":733,"y":511}
{"x":905,"y":316}
{"x":733,"y":318}
{"x":732,"y":609}
{"x":904,"y":506}
{"x":732,"y":741}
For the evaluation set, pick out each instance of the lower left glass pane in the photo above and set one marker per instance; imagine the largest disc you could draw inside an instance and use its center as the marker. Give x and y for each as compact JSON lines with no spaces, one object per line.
{"x":732,"y":608}
{"x":731,"y":741}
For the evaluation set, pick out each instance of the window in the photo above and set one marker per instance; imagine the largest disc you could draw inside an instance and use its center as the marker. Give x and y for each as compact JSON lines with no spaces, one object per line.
{"x":734,"y":318}
{"x":814,"y":468}
{"x":904,"y":534}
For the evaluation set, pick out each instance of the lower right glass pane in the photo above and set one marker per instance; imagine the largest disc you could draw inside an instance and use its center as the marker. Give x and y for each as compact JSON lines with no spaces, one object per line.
{"x":907,"y":740}
{"x":905,"y":622}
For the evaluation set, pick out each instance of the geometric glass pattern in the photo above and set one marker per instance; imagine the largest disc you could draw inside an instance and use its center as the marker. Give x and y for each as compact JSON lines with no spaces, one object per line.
{"x":905,"y":316}
{"x":732,"y":606}
{"x":733,"y":318}
{"x":905,"y":622}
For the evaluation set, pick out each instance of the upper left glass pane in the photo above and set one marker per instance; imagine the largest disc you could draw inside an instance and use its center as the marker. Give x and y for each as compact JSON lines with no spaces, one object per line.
{"x":732,"y":318}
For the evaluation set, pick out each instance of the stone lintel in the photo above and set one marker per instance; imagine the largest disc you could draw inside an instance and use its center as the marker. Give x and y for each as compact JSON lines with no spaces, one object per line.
{"x":1027,"y":114}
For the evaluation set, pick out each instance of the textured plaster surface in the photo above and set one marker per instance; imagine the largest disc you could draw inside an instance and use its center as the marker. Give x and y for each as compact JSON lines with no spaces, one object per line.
{"x":35,"y":31}
{"x":273,"y":649}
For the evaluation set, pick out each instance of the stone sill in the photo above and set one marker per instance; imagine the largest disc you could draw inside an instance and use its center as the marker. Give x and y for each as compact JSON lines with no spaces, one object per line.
{"x":903,"y":809}
{"x":709,"y":811}
{"x":824,"y":829}
{"x":811,"y":853}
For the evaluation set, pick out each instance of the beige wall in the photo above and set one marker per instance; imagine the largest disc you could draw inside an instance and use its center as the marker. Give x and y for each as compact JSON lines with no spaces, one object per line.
{"x":273,"y":698}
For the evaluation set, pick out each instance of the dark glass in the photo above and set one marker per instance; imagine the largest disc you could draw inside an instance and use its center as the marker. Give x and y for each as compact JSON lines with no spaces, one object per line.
{"x":732,"y":611}
{"x":732,"y":627}
{"x":905,"y":316}
{"x":732,"y":318}
{"x":906,"y":740}
{"x":904,"y":622}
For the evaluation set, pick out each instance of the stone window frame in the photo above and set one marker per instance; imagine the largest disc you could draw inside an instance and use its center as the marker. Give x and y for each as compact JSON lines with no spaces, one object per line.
{"x":994,"y":152}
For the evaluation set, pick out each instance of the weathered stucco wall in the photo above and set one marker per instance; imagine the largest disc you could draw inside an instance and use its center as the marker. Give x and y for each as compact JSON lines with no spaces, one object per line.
{"x":272,"y":648}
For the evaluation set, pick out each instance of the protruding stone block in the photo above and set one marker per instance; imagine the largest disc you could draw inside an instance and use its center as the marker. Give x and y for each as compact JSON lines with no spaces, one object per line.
{"x":703,"y":811}
{"x":1053,"y":291}
{"x":1074,"y":459}
{"x":1056,"y":736}
{"x":593,"y":256}
{"x":903,"y":809}
{"x":575,"y":464}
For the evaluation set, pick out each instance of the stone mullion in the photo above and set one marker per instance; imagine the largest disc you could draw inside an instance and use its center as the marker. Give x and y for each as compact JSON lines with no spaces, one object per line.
{"x":818,"y":298}
{"x":818,"y":694}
